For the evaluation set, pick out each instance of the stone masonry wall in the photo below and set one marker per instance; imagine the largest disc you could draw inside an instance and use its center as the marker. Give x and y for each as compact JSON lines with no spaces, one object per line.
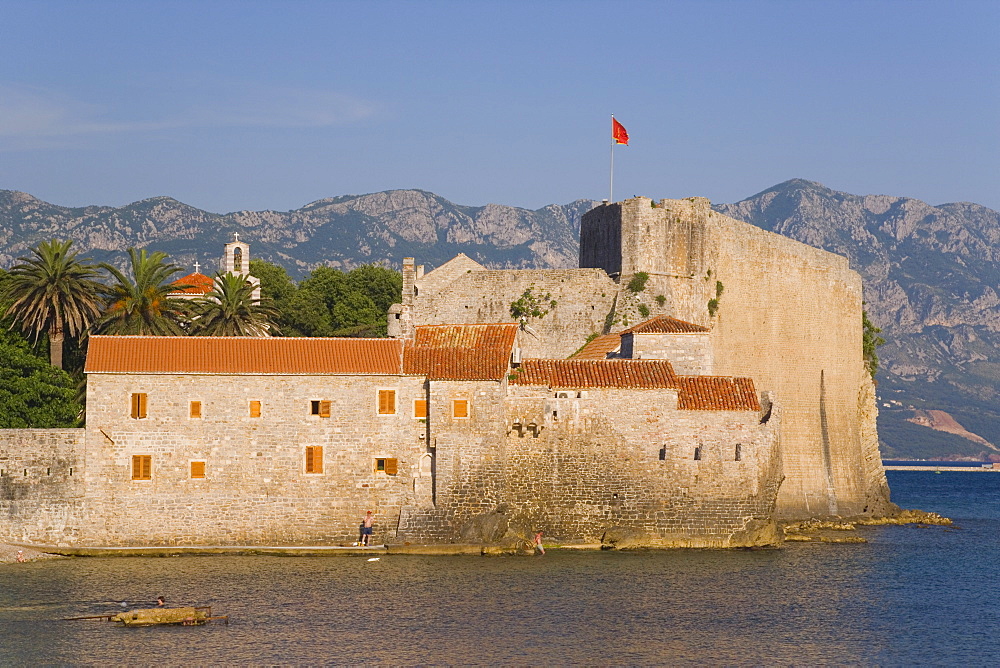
{"x":587,"y":468}
{"x":689,"y":354}
{"x":789,"y":316}
{"x":255,"y":490}
{"x":41,"y":485}
{"x":584,"y":298}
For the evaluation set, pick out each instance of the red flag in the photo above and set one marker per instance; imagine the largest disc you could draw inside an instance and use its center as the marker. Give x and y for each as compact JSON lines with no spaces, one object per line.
{"x":618,"y":132}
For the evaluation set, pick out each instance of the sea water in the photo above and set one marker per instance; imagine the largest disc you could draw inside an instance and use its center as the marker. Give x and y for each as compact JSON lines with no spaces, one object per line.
{"x":910,"y":595}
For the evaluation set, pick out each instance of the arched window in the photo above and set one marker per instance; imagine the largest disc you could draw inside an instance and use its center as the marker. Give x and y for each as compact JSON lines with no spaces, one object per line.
{"x":238,"y":260}
{"x":697,"y":453}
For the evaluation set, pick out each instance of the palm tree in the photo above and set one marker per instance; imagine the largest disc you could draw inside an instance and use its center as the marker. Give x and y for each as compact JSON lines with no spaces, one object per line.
{"x":54,"y":293}
{"x":231,"y":310}
{"x":142,"y":304}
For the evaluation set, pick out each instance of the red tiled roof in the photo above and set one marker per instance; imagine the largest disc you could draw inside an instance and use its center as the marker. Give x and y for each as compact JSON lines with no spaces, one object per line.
{"x":243,"y":355}
{"x":199,"y":284}
{"x":663,"y":324}
{"x":466,"y":336}
{"x":706,"y":393}
{"x":460,"y":352}
{"x":596,"y":373}
{"x":717,"y":393}
{"x":598,"y":348}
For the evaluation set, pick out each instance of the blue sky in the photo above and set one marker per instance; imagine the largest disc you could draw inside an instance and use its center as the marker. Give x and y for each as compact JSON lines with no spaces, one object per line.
{"x":271,"y":105}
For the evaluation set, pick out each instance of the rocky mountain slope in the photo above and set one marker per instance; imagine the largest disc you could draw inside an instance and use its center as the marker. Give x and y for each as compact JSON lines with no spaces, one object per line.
{"x":931,"y":273}
{"x":340,"y":231}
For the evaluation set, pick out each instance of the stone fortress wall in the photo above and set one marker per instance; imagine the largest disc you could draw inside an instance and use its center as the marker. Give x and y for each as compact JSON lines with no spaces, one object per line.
{"x":785,"y":314}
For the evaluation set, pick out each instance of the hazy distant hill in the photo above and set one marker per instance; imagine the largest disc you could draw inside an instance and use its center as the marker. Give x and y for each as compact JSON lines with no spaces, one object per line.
{"x":931,"y":272}
{"x":931,"y":281}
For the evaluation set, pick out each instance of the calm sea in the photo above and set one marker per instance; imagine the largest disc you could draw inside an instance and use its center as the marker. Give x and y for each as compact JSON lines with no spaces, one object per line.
{"x":909,"y":596}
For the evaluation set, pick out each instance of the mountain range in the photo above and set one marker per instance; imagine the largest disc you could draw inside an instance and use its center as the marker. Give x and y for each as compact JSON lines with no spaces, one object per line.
{"x":931,"y":272}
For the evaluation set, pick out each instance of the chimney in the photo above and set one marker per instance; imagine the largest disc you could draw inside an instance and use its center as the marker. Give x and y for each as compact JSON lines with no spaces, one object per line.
{"x":409,"y":277}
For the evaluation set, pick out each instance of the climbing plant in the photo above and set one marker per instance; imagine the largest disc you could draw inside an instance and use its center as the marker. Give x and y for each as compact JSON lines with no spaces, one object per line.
{"x":529,"y":305}
{"x":870,"y":341}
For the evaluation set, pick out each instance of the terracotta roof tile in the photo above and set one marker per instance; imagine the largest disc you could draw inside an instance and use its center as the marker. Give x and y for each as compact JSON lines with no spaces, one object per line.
{"x":663,"y":324}
{"x":708,"y":393}
{"x":598,"y":348}
{"x":595,"y":373}
{"x":460,"y":352}
{"x":199,"y":284}
{"x":243,"y":355}
{"x":716,"y":393}
{"x":466,"y":336}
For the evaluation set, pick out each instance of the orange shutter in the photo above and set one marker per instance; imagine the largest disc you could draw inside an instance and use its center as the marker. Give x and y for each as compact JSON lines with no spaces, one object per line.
{"x":139,"y":405}
{"x":255,"y":409}
{"x":142,"y":467}
{"x":386,"y":402}
{"x":197,"y":469}
{"x":420,"y":408}
{"x":391,"y":466}
{"x":460,"y":408}
{"x":314,"y":459}
{"x":324,"y":409}
{"x":196,"y":409}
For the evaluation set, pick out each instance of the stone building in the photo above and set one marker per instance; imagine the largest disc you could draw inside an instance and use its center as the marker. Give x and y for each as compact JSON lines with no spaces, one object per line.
{"x":695,"y":380}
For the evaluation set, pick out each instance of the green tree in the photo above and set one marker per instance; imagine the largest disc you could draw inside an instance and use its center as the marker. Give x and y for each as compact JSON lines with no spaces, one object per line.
{"x":230,"y":310}
{"x":52,"y":293}
{"x":141,"y":303}
{"x":870,"y":341}
{"x":279,"y":288}
{"x":33,"y":393}
{"x":383,"y":286}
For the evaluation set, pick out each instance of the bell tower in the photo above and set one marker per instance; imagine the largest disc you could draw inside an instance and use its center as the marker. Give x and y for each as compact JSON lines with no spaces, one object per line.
{"x":236,"y":260}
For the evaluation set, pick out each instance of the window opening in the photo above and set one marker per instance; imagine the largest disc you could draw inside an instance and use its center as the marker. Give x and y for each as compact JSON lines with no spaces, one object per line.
{"x":138,"y":405}
{"x":460,"y":408}
{"x":238,"y":260}
{"x":197,"y":469}
{"x":142,"y":467}
{"x":255,"y":409}
{"x":320,"y":408}
{"x":386,"y":402}
{"x":420,"y":408}
{"x":314,"y":459}
{"x":739,"y":452}
{"x":697,"y":453}
{"x":388,"y":466}
{"x":195,"y":409}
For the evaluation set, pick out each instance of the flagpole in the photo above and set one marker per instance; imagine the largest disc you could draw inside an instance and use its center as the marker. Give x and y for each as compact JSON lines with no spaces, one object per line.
{"x":611,"y":188}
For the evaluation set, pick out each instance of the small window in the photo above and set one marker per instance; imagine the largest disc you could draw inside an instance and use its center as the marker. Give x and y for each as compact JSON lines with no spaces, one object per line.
{"x":197,"y":469}
{"x":142,"y":467}
{"x":320,"y":408}
{"x":255,"y":409}
{"x":388,"y":466}
{"x":195,"y":409}
{"x":138,"y":405}
{"x":697,"y":453}
{"x":386,"y":402}
{"x":420,"y":408}
{"x":739,"y":452}
{"x":460,"y":408}
{"x":314,"y":459}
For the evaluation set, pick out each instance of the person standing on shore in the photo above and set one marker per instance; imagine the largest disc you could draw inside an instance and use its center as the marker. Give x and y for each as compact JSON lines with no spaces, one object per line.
{"x":366,"y":529}
{"x":539,"y":550}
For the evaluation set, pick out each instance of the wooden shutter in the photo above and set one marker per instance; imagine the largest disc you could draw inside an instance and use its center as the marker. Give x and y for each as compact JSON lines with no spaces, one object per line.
{"x":324,"y":409}
{"x":197,"y":469}
{"x":142,"y":467}
{"x":196,"y":409}
{"x":386,"y":402}
{"x":460,"y":408}
{"x":138,"y":405}
{"x":391,"y":466}
{"x":255,"y":409}
{"x":314,"y":459}
{"x":420,"y":408}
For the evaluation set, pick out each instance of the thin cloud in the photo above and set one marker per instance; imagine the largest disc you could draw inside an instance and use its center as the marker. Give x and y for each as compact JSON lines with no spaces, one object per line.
{"x":28,"y":113}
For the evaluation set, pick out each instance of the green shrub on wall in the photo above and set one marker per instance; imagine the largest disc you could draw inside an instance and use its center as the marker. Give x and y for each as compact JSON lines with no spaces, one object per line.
{"x":638,"y":282}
